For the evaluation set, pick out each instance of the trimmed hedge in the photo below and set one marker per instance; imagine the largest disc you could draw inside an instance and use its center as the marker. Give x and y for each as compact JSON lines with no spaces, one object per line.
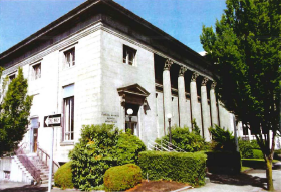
{"x":121,"y":178}
{"x":63,"y":177}
{"x":254,"y":163}
{"x":183,"y":167}
{"x":224,"y":162}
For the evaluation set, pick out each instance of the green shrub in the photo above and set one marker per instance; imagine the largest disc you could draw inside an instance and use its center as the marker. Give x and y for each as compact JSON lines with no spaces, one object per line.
{"x":227,"y":162}
{"x":127,"y":148}
{"x":183,"y":167}
{"x":101,"y":147}
{"x":121,"y":178}
{"x":189,"y":141}
{"x":63,"y":177}
{"x":222,"y":139}
{"x":247,"y":148}
{"x":257,"y":154}
{"x":93,"y":155}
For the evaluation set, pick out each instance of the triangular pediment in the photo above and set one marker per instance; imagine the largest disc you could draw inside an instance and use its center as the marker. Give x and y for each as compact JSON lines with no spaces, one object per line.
{"x":134,"y":89}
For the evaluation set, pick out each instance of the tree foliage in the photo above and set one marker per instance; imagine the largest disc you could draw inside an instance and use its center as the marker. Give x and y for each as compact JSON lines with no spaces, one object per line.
{"x":245,"y":48}
{"x":189,"y":141}
{"x":222,"y":139}
{"x":14,"y":115}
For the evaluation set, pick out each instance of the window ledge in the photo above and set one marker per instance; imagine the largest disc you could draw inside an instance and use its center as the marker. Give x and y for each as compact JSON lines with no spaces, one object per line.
{"x":64,"y":143}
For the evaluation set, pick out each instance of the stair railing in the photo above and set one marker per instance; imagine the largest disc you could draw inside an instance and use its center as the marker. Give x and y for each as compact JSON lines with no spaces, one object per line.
{"x":45,"y":158}
{"x":35,"y":173}
{"x":163,"y":146}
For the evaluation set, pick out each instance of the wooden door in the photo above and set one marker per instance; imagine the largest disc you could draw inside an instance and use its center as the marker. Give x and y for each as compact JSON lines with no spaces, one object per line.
{"x":35,"y":136}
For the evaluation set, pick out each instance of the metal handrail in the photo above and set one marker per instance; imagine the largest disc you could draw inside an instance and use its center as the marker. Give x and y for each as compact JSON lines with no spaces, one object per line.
{"x":164,"y":146}
{"x":41,"y":152}
{"x":35,"y":173}
{"x":174,"y":146}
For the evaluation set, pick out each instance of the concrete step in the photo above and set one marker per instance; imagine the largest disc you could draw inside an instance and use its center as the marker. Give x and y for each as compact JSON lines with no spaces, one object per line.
{"x":46,"y":181}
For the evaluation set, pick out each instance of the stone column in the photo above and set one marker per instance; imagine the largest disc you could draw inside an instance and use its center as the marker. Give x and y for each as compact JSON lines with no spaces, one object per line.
{"x":167,"y":89}
{"x":222,"y":116}
{"x":205,"y":109}
{"x":195,"y":109}
{"x":182,"y":98}
{"x":214,"y":109}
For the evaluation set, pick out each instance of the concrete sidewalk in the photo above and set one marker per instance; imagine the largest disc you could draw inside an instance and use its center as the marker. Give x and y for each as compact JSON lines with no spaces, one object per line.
{"x":253,"y":181}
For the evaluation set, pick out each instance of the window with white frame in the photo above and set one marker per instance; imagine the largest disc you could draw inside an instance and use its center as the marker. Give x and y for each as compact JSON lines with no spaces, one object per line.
{"x":129,"y":55}
{"x":69,"y":57}
{"x":68,"y":113}
{"x":36,"y":71}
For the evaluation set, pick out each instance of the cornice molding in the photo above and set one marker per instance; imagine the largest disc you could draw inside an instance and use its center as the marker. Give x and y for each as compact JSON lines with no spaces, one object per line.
{"x":70,"y":40}
{"x":66,"y":42}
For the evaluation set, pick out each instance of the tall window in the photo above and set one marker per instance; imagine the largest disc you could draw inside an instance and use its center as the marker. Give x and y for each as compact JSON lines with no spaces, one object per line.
{"x":69,"y":57}
{"x":11,"y":77}
{"x":68,"y":112}
{"x":129,"y":55}
{"x":36,"y":69}
{"x":68,"y":118}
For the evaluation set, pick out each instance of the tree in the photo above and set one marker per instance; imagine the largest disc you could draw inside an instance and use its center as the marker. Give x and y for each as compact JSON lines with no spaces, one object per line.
{"x":245,"y":50}
{"x":14,"y":112}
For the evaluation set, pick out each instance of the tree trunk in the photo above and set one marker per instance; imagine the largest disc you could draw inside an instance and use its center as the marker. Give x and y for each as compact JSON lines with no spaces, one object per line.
{"x":268,"y":162}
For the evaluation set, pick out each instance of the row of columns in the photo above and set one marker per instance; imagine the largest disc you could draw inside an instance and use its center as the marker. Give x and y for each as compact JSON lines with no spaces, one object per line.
{"x":207,"y":114}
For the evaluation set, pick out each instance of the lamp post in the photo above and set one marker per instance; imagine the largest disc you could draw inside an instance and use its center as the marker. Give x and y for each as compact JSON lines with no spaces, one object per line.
{"x":130,"y":112}
{"x":169,"y":116}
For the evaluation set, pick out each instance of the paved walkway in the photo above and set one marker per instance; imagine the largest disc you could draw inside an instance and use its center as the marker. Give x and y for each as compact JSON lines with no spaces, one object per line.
{"x":253,"y":181}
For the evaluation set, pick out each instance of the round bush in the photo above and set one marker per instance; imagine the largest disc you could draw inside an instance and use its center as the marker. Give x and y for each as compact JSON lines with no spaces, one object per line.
{"x":121,"y":178}
{"x":128,"y":147}
{"x":63,"y":176}
{"x":257,"y":154}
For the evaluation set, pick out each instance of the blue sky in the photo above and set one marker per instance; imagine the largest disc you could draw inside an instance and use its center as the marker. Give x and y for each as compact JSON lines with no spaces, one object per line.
{"x":182,"y":19}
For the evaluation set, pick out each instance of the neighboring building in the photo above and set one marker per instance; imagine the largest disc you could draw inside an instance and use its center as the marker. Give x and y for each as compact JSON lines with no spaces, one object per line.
{"x":99,"y":60}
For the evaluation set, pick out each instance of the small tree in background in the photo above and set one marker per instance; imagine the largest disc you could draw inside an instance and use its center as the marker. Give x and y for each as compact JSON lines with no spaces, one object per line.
{"x":14,"y":112}
{"x":245,"y":49}
{"x":222,"y":139}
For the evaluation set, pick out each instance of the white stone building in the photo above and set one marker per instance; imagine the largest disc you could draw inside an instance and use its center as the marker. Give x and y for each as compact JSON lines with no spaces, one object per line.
{"x":98,"y":60}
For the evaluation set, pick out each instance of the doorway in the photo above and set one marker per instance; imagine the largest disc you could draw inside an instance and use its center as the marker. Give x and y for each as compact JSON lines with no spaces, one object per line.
{"x":131,"y":120}
{"x":34,"y":134}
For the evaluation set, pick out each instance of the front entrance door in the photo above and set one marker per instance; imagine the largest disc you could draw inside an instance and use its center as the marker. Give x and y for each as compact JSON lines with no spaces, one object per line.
{"x":34,"y":134}
{"x":131,"y":120}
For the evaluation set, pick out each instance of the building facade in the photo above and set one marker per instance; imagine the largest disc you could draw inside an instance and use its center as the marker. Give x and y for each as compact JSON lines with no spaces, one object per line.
{"x":99,"y":60}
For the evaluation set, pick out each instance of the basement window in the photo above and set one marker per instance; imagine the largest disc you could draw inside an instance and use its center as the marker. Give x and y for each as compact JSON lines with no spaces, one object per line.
{"x":129,"y":55}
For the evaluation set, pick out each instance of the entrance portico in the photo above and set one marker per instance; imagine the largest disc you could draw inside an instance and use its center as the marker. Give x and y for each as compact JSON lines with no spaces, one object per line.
{"x":133,"y":97}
